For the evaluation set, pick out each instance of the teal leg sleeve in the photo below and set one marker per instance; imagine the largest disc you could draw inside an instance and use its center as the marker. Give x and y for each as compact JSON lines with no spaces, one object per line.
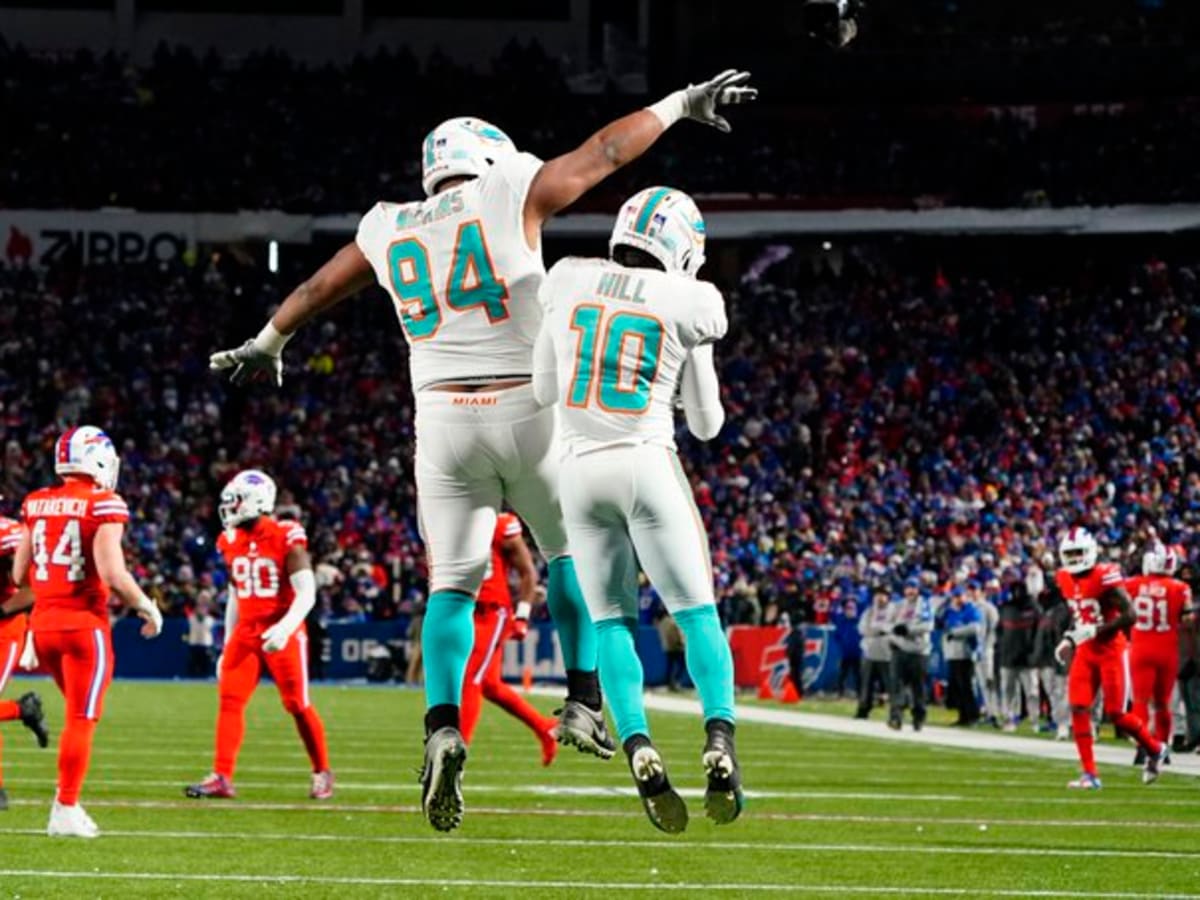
{"x":709,"y":661}
{"x":446,"y":639}
{"x":576,"y":634}
{"x":621,"y":676}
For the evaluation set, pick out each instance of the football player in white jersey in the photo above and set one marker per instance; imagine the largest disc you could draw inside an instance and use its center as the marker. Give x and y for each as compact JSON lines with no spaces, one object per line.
{"x":463,"y":268}
{"x":620,"y":338}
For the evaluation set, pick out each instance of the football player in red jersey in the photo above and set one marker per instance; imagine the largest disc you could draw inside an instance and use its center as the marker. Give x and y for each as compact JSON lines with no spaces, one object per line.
{"x":14,"y":619}
{"x":70,"y":555}
{"x":494,"y":624}
{"x":1160,"y":603}
{"x":271,"y":591}
{"x":1101,"y":618}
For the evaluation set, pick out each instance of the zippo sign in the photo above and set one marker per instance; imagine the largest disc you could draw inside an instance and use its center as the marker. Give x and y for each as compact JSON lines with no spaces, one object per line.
{"x":55,"y":236}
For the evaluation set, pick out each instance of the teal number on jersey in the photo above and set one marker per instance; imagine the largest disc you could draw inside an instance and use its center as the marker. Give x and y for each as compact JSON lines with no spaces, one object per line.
{"x":473,"y":280}
{"x":408,"y":267}
{"x":626,"y":335}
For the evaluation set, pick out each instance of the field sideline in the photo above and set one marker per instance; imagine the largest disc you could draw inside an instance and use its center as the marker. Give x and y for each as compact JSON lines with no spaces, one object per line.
{"x":830,"y":815}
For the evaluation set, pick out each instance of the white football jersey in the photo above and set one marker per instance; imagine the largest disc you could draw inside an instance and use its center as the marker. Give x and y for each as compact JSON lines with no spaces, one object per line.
{"x":462,"y":278}
{"x":621,"y":337}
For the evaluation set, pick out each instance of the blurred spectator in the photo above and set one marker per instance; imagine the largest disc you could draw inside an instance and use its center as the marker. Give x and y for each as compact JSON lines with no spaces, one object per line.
{"x":961,"y":624}
{"x":1018,"y":677}
{"x":986,"y":677}
{"x":1053,"y":622}
{"x":844,"y":616}
{"x":875,"y":629}
{"x":672,"y":644}
{"x":912,"y":624}
{"x":201,"y":623}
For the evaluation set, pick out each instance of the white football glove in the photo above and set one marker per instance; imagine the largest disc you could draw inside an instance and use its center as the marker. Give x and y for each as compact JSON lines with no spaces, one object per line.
{"x":727,"y":89}
{"x":700,"y":101}
{"x":152,"y":620}
{"x":247,"y":361}
{"x":276,"y":637}
{"x":1065,"y":646}
{"x":29,"y":657}
{"x":220,"y":659}
{"x":1081,"y":634}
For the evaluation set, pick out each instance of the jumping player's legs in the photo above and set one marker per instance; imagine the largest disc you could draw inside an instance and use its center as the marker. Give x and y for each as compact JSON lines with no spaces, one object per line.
{"x":289,"y":669}
{"x":240,"y":670}
{"x":532,"y":487}
{"x":597,"y":492}
{"x":458,"y":494}
{"x":672,"y":546}
{"x":81,"y":663}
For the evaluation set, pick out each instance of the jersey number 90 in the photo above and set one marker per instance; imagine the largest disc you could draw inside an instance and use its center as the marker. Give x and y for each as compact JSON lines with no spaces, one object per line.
{"x":255,"y":577}
{"x":471,"y":283}
{"x":604,"y":345}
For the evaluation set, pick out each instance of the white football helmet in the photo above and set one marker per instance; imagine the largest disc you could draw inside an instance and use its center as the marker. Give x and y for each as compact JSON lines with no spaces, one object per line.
{"x":666,"y":224}
{"x":248,"y":495}
{"x":1160,"y":560}
{"x":462,"y":146}
{"x":1078,"y":551}
{"x":87,"y":450}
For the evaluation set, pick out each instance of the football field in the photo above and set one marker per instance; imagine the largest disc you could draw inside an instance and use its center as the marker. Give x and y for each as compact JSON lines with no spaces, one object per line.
{"x":829,"y":815}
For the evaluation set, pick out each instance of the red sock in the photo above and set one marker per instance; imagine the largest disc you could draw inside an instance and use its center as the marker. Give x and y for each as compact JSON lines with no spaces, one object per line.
{"x":1081,"y":724}
{"x":1136,"y":729}
{"x":469,"y":708}
{"x":9,"y":710}
{"x":312,"y":732}
{"x":74,"y":756}
{"x":516,"y":705}
{"x":1162,"y":722}
{"x":231,"y":729}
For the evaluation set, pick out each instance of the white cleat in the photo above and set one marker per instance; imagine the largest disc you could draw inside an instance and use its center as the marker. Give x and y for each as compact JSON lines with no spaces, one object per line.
{"x":1063,"y":733}
{"x":1085,"y":782}
{"x":71,"y":821}
{"x":1154,"y":764}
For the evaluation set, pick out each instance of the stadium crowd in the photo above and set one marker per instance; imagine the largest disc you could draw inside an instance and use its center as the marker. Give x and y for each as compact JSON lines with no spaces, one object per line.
{"x":881,"y":426}
{"x":318,"y":138}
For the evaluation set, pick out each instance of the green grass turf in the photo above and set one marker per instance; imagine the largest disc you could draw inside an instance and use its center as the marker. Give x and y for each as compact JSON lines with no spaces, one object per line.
{"x":839,"y":816}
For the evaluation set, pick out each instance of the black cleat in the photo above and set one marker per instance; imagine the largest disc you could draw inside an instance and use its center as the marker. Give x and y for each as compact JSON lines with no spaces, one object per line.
{"x":583,"y":728}
{"x":664,"y":807}
{"x":1139,"y":758}
{"x":723,"y":798}
{"x":3,"y":799}
{"x":33,"y":718}
{"x":441,"y":779}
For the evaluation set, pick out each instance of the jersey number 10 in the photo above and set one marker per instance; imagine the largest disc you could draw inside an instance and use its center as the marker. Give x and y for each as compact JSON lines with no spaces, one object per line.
{"x":600,"y":355}
{"x":471,"y":283}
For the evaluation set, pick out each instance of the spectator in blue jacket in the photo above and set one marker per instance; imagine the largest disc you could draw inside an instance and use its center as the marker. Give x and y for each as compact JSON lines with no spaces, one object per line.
{"x":844,"y":616}
{"x":961,"y":624}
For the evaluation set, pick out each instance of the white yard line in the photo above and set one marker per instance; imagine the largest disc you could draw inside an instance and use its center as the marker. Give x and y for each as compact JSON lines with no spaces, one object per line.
{"x":930,"y":736}
{"x":804,"y":847}
{"x":573,"y":886}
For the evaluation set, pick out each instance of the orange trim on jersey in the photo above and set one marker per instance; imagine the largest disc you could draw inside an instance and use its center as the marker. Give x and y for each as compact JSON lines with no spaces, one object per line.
{"x":577,"y":357}
{"x":401,"y":306}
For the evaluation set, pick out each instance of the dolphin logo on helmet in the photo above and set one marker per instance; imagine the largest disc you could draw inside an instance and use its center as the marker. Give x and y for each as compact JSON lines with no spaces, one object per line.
{"x":87,"y":450}
{"x":666,"y":223}
{"x":461,"y":147}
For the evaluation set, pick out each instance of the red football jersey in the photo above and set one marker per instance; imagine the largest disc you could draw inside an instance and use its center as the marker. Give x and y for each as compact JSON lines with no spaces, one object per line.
{"x":1083,"y":593}
{"x":495,"y":591}
{"x":11,"y":532}
{"x":68,"y":592}
{"x":256,"y":556}
{"x":1159,"y":602}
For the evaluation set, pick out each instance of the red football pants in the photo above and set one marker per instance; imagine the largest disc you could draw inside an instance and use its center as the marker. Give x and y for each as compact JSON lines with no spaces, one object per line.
{"x":493,"y":626}
{"x":10,"y":652}
{"x":81,"y":663}
{"x":1154,"y":672}
{"x":242,"y":664}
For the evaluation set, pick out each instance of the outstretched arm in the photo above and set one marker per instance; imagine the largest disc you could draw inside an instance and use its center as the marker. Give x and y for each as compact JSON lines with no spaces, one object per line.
{"x":565,"y":179}
{"x":347,"y":273}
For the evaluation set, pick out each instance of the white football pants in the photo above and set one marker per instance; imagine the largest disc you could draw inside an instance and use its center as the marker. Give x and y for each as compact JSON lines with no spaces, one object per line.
{"x":474,"y":452}
{"x":625,"y":505}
